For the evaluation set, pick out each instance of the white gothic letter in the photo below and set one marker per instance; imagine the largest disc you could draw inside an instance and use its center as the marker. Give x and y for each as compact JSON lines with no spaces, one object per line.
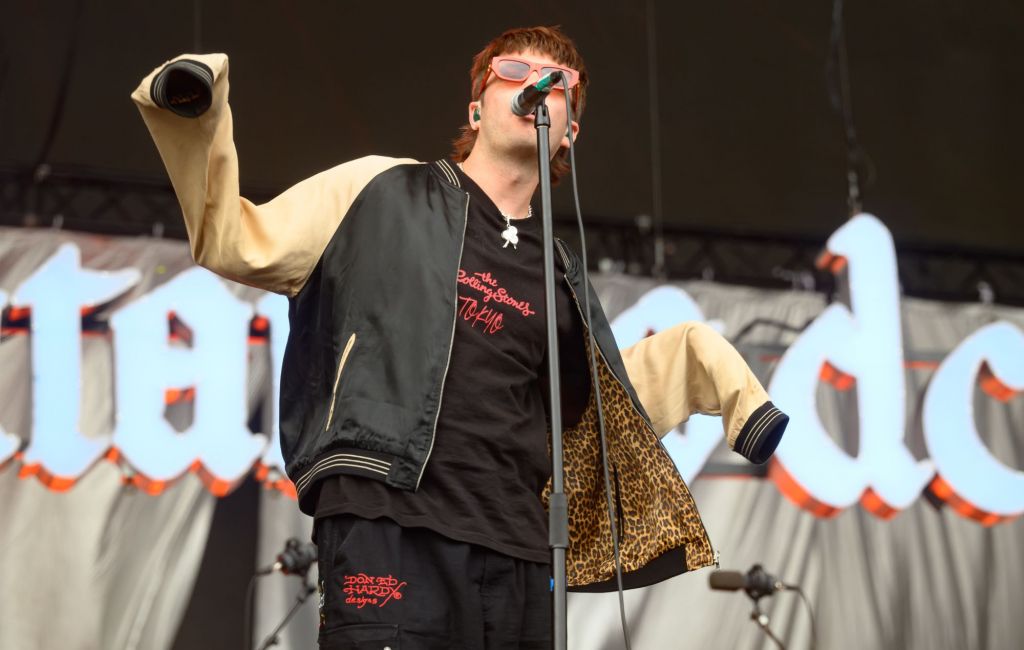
{"x":216,"y":366}
{"x":56,"y":293}
{"x":961,"y":458}
{"x":866,"y":343}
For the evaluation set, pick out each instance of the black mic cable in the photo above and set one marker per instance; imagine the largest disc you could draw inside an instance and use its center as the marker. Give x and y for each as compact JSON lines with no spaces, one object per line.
{"x":593,"y":372}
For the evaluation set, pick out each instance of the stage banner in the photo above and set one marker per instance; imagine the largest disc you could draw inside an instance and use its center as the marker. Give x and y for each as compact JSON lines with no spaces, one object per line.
{"x":136,"y":388}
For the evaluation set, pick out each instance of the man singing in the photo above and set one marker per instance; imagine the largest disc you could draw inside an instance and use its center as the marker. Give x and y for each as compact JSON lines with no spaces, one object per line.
{"x":413,"y":391}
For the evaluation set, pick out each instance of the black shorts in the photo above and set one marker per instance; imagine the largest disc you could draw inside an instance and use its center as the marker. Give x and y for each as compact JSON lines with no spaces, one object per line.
{"x":385,"y":586}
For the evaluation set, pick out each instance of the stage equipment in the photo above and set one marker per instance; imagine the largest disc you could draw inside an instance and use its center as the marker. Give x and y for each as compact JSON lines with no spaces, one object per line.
{"x":527,"y":99}
{"x":111,"y":204}
{"x":184,"y":87}
{"x":305,"y":591}
{"x":860,"y":171}
{"x":558,"y":521}
{"x":558,"y":514}
{"x":594,"y":378}
{"x":294,"y":560}
{"x":758,"y":583}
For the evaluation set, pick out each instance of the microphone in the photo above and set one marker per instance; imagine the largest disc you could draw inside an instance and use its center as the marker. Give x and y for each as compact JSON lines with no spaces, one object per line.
{"x":295,"y":559}
{"x":756,"y":582}
{"x":527,"y":99}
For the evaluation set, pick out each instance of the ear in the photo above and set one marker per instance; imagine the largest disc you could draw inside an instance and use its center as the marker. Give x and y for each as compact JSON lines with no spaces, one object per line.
{"x":564,"y":144}
{"x":474,"y":115}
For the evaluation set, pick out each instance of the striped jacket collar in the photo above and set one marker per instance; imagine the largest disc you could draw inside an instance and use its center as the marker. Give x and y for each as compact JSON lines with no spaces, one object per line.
{"x":446,"y":171}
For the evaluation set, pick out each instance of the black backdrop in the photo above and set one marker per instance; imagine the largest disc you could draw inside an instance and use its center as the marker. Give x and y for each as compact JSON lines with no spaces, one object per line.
{"x":748,"y":139}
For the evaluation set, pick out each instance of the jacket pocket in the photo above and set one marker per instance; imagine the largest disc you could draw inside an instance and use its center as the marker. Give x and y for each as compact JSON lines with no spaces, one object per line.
{"x":337,"y":378}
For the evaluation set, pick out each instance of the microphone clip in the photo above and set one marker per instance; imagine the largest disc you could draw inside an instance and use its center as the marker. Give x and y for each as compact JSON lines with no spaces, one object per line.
{"x":760,"y":583}
{"x":294,"y":560}
{"x":526,"y":100}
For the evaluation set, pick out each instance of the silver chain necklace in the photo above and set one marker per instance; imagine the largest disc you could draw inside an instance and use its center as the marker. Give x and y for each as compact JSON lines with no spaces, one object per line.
{"x":510,"y":234}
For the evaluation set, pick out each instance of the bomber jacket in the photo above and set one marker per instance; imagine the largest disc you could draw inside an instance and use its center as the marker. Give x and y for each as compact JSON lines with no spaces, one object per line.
{"x":368,"y":254}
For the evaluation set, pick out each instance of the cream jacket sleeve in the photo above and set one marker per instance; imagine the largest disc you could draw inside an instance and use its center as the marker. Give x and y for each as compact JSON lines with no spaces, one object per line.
{"x":274,"y":246}
{"x":691,"y":369}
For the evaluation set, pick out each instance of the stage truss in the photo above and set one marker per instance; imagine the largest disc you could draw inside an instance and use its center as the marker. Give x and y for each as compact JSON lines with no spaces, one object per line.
{"x":118,"y":205}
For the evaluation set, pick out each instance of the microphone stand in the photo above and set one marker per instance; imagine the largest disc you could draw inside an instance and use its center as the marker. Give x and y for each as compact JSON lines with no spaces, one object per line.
{"x":763,"y":622}
{"x":305,"y":592}
{"x":558,"y":515}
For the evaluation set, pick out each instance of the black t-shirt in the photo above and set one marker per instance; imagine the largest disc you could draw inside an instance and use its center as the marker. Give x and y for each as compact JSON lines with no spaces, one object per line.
{"x":490,"y":458}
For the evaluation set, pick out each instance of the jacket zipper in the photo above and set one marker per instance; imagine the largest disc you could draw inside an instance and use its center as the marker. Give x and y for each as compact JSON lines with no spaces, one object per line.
{"x":337,"y":378}
{"x":611,"y":370}
{"x":451,"y":342}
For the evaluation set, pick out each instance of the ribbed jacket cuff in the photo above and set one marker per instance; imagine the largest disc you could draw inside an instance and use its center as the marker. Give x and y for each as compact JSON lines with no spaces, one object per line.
{"x":761,"y":433}
{"x":184,"y":87}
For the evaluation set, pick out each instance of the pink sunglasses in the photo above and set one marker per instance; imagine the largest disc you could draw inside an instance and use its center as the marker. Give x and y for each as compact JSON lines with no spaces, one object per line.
{"x":510,"y":68}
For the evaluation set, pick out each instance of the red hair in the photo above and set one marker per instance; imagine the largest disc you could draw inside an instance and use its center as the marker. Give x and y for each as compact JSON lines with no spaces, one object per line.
{"x":549,"y":41}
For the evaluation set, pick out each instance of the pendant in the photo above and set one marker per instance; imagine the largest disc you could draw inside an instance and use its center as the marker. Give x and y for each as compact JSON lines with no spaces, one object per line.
{"x":510,"y":234}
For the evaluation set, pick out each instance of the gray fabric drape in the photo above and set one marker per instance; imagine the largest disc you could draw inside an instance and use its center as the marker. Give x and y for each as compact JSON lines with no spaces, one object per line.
{"x":106,"y":566}
{"x":103,"y":565}
{"x":100,"y":566}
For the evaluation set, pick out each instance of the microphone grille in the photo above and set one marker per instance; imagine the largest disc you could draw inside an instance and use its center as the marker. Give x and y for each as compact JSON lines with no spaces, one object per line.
{"x":727,"y":580}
